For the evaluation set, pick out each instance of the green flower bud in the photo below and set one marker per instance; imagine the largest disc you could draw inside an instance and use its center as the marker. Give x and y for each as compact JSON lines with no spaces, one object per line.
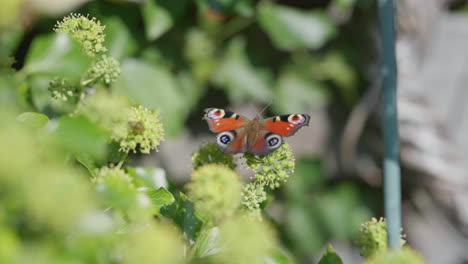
{"x":88,"y":32}
{"x":372,"y":237}
{"x":274,"y":169}
{"x":105,"y":70}
{"x":63,"y":89}
{"x":210,"y":153}
{"x":216,"y":191}
{"x":253,"y":195}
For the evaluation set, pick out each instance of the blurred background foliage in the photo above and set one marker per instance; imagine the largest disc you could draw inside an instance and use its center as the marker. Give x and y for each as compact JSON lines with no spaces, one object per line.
{"x":181,"y":57}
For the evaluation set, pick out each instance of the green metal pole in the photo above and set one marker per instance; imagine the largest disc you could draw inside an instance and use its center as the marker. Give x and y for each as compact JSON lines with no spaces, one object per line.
{"x":392,"y":181}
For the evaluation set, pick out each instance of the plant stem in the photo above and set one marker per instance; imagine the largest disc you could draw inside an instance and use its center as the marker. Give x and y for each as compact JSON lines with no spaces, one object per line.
{"x":122,"y":160}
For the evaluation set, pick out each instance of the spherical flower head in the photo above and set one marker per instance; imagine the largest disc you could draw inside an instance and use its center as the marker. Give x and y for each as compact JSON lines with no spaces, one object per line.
{"x":106,"y":109}
{"x":144,"y":131}
{"x":209,"y":154}
{"x":404,"y":256}
{"x":116,"y":188}
{"x":63,"y":89}
{"x":216,"y":191}
{"x":245,"y":240}
{"x":274,"y":169}
{"x":152,"y":243}
{"x":372,"y":237}
{"x":88,"y":32}
{"x":105,"y":70}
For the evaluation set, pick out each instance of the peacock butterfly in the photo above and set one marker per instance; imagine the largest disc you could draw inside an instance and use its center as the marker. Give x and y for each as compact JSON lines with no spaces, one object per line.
{"x":237,"y":134}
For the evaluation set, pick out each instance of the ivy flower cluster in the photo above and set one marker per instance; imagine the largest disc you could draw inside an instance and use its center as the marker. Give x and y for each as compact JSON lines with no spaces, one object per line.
{"x":209,"y":154}
{"x":274,"y":169}
{"x":88,"y":32}
{"x":105,"y":70}
{"x":144,"y":131}
{"x":215,"y":190}
{"x":372,"y":237}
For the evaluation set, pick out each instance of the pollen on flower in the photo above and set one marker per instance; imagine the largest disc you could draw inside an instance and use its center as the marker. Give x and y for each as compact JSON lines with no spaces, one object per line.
{"x":209,"y":154}
{"x":106,"y":70}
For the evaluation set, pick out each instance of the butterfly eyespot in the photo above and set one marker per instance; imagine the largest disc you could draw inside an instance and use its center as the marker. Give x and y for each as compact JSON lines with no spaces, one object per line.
{"x":224,"y":138}
{"x":273,"y":141}
{"x":296,"y":119}
{"x":215,"y":113}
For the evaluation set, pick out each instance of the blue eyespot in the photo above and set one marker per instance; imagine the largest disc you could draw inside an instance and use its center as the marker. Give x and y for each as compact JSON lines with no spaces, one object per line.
{"x":225,"y":139}
{"x":273,"y":142}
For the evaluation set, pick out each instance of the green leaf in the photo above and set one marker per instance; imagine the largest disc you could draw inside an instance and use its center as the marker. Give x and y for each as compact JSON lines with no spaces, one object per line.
{"x":291,"y":28}
{"x":79,"y":135}
{"x":148,"y":177}
{"x":153,"y":86}
{"x":87,"y":162}
{"x":157,"y":20}
{"x":207,"y":243}
{"x":330,"y":257}
{"x":32,"y":119}
{"x":56,"y":54}
{"x":278,"y":257}
{"x":295,"y":93}
{"x":161,"y":197}
{"x":241,"y":80}
{"x":119,"y":42}
{"x":183,"y":214}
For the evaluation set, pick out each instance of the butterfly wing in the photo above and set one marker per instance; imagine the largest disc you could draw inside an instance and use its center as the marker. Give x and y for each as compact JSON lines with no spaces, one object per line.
{"x":271,"y":131}
{"x":285,"y":125}
{"x":220,"y":120}
{"x":231,"y":136}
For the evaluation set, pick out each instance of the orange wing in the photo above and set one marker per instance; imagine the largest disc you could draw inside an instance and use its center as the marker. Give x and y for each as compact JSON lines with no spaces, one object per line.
{"x":286,"y":125}
{"x":220,"y":120}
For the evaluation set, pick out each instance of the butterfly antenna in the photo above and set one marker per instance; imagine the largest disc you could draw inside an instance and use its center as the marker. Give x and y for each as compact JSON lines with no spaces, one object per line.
{"x":268,"y":105}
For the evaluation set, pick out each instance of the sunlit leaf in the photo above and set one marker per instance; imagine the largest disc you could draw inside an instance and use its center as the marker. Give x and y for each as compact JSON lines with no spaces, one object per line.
{"x":241,"y":80}
{"x":119,"y":42}
{"x":295,"y":93}
{"x":152,"y":177}
{"x":291,"y":28}
{"x":78,"y":134}
{"x":153,"y":86}
{"x":32,"y":119}
{"x":161,"y":197}
{"x":157,"y":20}
{"x":57,"y":54}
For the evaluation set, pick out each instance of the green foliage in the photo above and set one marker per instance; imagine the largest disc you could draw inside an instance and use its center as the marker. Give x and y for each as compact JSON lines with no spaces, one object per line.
{"x":82,"y":101}
{"x":209,"y":154}
{"x":330,"y":257}
{"x":406,"y":255}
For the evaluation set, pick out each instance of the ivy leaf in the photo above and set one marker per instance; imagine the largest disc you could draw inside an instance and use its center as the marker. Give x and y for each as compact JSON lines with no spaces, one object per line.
{"x":296,"y":93}
{"x":152,"y":177}
{"x":291,"y":28}
{"x":161,"y":197}
{"x":153,"y":86}
{"x":78,"y":134}
{"x":56,"y":54}
{"x":32,"y":119}
{"x":157,"y":20}
{"x":183,"y":213}
{"x":330,"y":257}
{"x":277,"y":257}
{"x":241,"y":80}
{"x":207,"y":243}
{"x":119,"y":41}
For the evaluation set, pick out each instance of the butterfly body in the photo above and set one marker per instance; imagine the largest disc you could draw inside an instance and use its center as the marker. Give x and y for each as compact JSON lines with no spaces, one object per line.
{"x":237,"y":134}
